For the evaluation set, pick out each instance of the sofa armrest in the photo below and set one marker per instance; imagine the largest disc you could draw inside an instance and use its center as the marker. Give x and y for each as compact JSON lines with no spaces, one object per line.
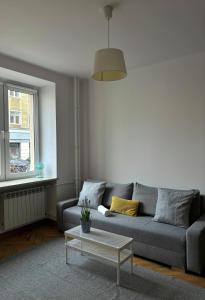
{"x":60,"y":208}
{"x":195,"y":246}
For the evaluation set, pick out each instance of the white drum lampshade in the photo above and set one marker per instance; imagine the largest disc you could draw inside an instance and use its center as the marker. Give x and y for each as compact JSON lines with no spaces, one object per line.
{"x":109,"y":62}
{"x":109,"y":65}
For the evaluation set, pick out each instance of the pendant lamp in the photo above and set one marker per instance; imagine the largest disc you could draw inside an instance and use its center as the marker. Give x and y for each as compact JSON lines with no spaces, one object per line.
{"x":109,"y":62}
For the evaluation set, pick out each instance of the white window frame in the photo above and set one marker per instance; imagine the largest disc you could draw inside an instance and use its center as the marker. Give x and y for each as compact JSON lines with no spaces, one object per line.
{"x":34,"y":92}
{"x":2,"y":144}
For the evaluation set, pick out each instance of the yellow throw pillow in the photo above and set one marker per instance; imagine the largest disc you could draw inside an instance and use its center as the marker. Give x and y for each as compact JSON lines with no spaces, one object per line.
{"x":123,"y":206}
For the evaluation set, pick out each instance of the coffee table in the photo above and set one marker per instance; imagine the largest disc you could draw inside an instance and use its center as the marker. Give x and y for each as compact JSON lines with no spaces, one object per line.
{"x":113,"y":248}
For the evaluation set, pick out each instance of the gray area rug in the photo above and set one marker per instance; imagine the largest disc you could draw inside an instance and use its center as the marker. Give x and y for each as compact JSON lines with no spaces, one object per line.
{"x":41,"y":273}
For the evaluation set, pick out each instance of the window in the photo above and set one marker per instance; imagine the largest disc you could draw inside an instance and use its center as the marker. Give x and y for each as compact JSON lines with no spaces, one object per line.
{"x":15,"y":117}
{"x":13,"y":93}
{"x":19,"y":131}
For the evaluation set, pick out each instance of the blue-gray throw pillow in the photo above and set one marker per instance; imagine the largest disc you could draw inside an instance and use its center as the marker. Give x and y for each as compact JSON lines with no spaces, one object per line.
{"x":93,"y":192}
{"x":173,"y":207}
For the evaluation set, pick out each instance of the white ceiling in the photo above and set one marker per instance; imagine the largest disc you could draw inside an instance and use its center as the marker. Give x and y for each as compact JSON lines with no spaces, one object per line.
{"x":63,"y":34}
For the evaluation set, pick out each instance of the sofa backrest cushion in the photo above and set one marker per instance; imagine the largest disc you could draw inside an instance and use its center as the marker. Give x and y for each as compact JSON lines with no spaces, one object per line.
{"x":147,"y":195}
{"x":195,"y":210}
{"x":202,"y":204}
{"x":116,"y":189}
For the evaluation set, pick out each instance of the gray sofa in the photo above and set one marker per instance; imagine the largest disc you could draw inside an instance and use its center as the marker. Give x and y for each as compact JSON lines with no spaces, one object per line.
{"x":168,"y":244}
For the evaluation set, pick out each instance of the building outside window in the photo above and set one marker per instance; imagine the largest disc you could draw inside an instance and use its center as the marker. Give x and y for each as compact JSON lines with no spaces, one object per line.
{"x":14,"y":150}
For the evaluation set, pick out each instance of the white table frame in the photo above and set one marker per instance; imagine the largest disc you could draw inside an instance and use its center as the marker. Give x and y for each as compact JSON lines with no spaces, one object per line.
{"x":107,"y":252}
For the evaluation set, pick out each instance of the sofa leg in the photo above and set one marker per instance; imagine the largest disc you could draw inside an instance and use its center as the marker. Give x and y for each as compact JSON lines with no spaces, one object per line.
{"x":199,"y":273}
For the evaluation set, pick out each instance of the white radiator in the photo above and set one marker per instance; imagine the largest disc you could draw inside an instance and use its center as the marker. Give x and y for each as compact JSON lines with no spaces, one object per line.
{"x":23,"y":207}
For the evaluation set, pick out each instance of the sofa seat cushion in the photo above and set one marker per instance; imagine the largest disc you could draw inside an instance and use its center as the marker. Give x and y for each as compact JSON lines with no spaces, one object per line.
{"x":141,"y":228}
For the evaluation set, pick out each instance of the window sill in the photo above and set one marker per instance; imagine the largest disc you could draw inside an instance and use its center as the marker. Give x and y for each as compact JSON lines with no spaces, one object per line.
{"x":24,"y":183}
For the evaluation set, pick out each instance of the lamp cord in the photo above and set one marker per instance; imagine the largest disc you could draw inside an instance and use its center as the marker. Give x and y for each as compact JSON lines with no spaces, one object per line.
{"x":108,"y":32}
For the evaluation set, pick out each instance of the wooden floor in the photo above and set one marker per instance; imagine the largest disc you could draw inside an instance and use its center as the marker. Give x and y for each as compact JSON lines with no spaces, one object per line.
{"x":35,"y":234}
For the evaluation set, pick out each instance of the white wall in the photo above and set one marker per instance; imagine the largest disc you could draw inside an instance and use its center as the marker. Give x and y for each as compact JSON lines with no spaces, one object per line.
{"x":64,"y":119}
{"x":150,"y":127}
{"x":84,"y":155}
{"x":47,"y":130}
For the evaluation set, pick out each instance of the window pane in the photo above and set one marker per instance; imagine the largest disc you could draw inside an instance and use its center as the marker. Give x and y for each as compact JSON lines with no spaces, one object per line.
{"x":21,"y":132}
{"x":11,"y":119}
{"x":2,"y":158}
{"x":17,"y":119}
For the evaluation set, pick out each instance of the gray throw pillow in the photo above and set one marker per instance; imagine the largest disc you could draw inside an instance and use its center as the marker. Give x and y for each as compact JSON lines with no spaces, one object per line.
{"x":173,"y":207}
{"x":93,"y":192}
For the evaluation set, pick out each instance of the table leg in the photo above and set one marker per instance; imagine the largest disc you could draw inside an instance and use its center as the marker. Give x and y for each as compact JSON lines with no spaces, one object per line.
{"x":118,"y":269}
{"x":81,"y":246}
{"x":131,"y":261}
{"x":66,"y":250}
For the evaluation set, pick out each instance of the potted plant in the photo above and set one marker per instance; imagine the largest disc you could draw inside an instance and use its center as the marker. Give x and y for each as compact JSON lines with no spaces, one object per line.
{"x":85,"y":220}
